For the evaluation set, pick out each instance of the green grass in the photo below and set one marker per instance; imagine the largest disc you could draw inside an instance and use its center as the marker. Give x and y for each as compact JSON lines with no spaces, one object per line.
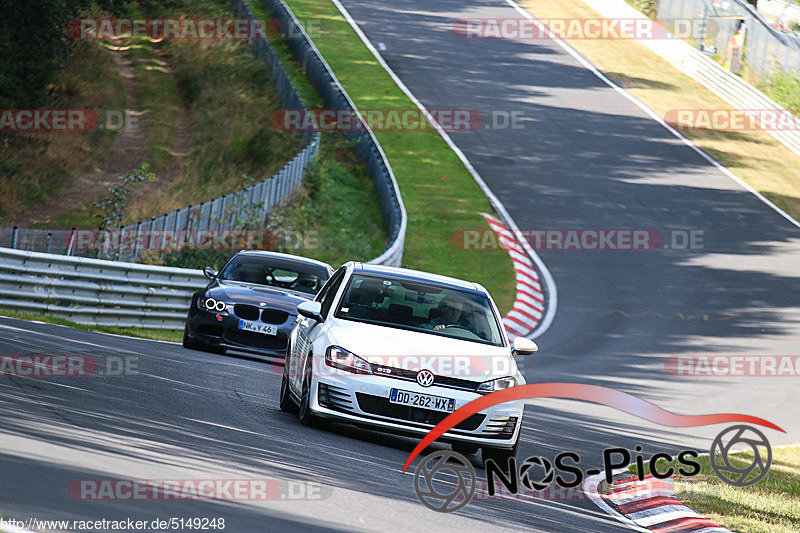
{"x":335,"y":217}
{"x":770,"y":506}
{"x":441,"y":197}
{"x":784,"y":88}
{"x":144,"y":333}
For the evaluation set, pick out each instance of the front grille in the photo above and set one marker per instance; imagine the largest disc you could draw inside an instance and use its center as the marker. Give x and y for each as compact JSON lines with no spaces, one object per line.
{"x":442,"y":381}
{"x":456,"y":383}
{"x":378,"y":405}
{"x":273,"y":316}
{"x":248,"y":312}
{"x":257,"y":340}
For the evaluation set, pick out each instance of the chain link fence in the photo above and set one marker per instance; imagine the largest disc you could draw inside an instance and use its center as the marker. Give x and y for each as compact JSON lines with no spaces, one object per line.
{"x":717,"y":21}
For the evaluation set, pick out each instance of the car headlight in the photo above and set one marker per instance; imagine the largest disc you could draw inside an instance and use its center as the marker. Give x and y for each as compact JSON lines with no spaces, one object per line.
{"x":340,"y":358}
{"x":210,"y":304}
{"x":496,"y":384}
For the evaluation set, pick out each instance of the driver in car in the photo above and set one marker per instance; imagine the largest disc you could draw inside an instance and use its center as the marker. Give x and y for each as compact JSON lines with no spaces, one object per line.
{"x":450,"y":313}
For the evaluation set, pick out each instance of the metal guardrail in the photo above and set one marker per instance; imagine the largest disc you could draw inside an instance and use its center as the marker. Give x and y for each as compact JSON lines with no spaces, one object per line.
{"x":95,"y":291}
{"x":728,"y":86}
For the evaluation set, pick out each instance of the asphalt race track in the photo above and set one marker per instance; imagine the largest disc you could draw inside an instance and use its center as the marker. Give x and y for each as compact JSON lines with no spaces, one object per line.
{"x":586,"y":158}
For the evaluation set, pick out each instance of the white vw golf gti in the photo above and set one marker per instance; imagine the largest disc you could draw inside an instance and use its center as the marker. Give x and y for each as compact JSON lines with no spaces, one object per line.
{"x":398,"y":350}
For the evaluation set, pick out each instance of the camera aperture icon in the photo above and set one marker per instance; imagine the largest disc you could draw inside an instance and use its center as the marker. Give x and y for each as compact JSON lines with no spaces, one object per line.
{"x":740,"y":436}
{"x":454,"y":495}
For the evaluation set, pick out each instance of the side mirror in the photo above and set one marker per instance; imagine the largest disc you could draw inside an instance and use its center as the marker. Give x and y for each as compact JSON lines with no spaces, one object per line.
{"x":523,"y":346}
{"x":312,"y":310}
{"x":209,"y":272}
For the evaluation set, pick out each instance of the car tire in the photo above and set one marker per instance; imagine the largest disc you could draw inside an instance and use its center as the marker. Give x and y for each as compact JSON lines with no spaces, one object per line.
{"x":188,"y":343}
{"x":286,"y":403}
{"x":465,"y":449}
{"x":304,"y":414}
{"x":499,"y":455}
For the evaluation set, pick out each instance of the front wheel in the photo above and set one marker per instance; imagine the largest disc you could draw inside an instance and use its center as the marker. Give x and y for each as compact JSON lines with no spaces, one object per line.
{"x":304,"y":414}
{"x":286,"y":403}
{"x":188,"y":343}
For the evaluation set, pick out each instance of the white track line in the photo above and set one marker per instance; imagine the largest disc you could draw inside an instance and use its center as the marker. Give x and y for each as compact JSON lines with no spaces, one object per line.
{"x":641,"y":105}
{"x":549,"y":282}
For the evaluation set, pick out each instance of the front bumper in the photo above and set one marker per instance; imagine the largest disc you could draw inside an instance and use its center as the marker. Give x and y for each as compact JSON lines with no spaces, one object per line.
{"x":204,"y":327}
{"x":364,"y":400}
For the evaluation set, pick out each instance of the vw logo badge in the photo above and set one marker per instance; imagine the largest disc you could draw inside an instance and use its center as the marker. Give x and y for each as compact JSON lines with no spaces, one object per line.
{"x":425,"y":378}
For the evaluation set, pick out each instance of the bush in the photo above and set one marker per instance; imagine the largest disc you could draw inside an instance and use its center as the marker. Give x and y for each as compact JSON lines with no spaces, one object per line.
{"x":784,"y":88}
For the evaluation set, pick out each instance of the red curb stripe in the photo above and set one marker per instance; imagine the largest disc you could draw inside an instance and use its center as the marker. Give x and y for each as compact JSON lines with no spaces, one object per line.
{"x":524,"y":313}
{"x":518,"y":321}
{"x":526,"y":275}
{"x":532,"y":296}
{"x":683,"y":524}
{"x":511,"y":329}
{"x":646,"y":503}
{"x":530,"y":306}
{"x":527,"y":284}
{"x":632,"y":485}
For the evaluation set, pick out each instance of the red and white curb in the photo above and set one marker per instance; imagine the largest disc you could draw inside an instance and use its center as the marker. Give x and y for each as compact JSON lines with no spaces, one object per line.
{"x":529,"y":304}
{"x":648,"y":505}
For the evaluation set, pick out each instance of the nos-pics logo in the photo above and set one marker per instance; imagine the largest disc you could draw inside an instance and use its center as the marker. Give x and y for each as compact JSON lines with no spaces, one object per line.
{"x":445,"y":481}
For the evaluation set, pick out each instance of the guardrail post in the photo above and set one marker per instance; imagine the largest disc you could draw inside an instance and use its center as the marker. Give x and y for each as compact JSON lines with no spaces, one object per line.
{"x":14,"y":235}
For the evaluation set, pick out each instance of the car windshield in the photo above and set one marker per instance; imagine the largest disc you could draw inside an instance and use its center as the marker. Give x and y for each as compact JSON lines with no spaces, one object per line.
{"x":420,"y":306}
{"x":275,"y":273}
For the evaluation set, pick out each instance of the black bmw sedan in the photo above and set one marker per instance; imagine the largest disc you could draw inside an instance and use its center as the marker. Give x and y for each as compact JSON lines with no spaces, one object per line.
{"x":251,"y":304}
